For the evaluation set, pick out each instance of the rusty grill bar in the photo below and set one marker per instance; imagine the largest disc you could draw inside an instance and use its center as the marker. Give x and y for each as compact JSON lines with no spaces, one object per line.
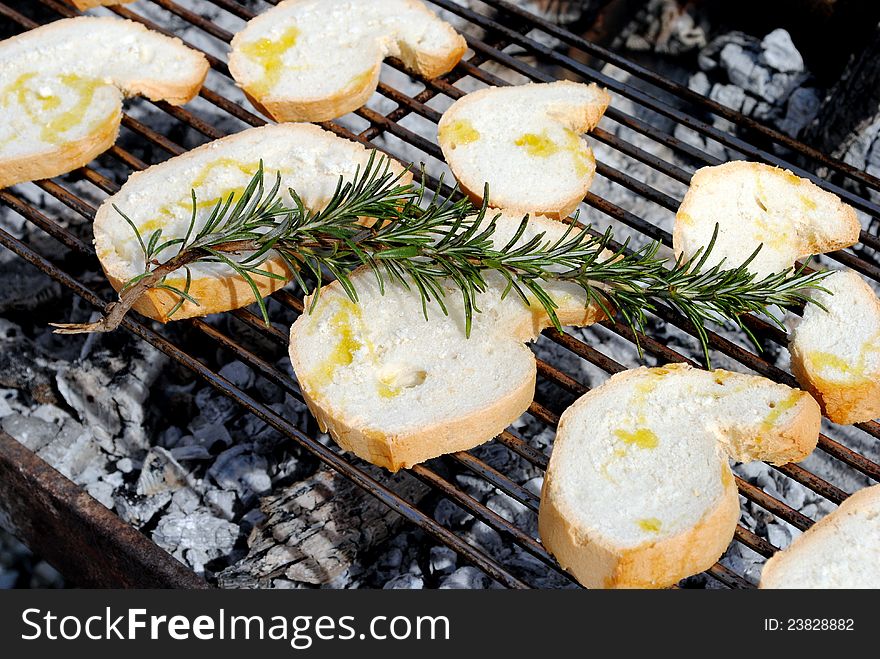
{"x":511,"y":28}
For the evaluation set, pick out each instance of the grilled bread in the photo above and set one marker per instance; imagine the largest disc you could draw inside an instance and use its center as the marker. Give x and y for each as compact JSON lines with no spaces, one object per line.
{"x":835,"y":351}
{"x":396,"y":389}
{"x":61,"y":89}
{"x":526,"y":143}
{"x":315,"y":60}
{"x":82,"y":5}
{"x":639,"y":493}
{"x":309,"y":159}
{"x":840,"y":551}
{"x":755,"y":204}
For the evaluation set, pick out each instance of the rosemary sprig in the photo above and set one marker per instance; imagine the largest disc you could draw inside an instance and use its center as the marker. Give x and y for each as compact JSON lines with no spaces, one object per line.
{"x":424,"y":245}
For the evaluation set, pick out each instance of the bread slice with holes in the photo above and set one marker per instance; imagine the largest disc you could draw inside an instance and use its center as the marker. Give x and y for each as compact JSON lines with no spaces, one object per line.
{"x":835,"y":350}
{"x":639,"y":493}
{"x":309,"y":160}
{"x":525,"y":143}
{"x":842,"y":550}
{"x":397,"y":389}
{"x":315,"y":60}
{"x":62,"y":84}
{"x":755,"y":204}
{"x":82,"y":5}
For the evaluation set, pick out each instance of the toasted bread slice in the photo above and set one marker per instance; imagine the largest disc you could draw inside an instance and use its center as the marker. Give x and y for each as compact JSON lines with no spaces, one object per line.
{"x":310,"y":161}
{"x":61,"y":88}
{"x":396,"y":389}
{"x":841,"y":551}
{"x":315,"y":60}
{"x":526,"y":143}
{"x":755,"y":204}
{"x":835,"y":351}
{"x":82,"y":5}
{"x":639,"y":493}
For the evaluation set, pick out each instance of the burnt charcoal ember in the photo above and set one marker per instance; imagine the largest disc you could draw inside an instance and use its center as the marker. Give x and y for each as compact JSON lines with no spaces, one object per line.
{"x":241,"y":470}
{"x":196,"y":537}
{"x":466,"y":578}
{"x":23,"y":366}
{"x":25,"y":289}
{"x":316,"y":531}
{"x":764,"y":78}
{"x":161,"y":473}
{"x":108,"y":389}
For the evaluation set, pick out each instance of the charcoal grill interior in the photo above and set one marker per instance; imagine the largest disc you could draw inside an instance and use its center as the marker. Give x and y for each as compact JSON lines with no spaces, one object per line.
{"x":489,"y":35}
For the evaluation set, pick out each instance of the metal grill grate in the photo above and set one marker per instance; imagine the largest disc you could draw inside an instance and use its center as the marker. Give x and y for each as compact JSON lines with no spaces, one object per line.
{"x":514,"y":26}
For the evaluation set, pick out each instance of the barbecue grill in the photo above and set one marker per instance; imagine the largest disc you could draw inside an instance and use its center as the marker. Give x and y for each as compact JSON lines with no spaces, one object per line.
{"x":85,"y":535}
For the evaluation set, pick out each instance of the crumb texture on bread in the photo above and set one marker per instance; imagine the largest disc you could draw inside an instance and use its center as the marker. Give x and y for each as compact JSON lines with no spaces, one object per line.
{"x":309,"y":160}
{"x":835,"y":350}
{"x":755,"y":204}
{"x":526,"y":143}
{"x":61,"y":89}
{"x":639,"y":492}
{"x":840,"y":551}
{"x":397,"y":389}
{"x":315,"y":60}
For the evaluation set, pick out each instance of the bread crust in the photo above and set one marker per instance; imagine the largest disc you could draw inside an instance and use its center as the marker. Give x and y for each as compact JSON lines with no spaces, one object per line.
{"x":349,"y":98}
{"x":66,"y":158}
{"x":844,"y":214}
{"x":772,"y":576}
{"x":215,"y":294}
{"x":581,"y":120}
{"x":77,"y":153}
{"x":596,"y":562}
{"x":841,"y":403}
{"x":460,"y":433}
{"x":404,"y":450}
{"x":82,"y":5}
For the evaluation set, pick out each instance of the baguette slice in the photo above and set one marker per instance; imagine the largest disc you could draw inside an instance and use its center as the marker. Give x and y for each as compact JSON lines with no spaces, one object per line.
{"x":61,"y":88}
{"x":755,"y":204}
{"x":526,"y":143}
{"x":835,"y":351}
{"x":639,"y":493}
{"x":315,"y":60}
{"x":840,"y":551}
{"x":82,"y":5}
{"x":310,"y":161}
{"x":396,"y":389}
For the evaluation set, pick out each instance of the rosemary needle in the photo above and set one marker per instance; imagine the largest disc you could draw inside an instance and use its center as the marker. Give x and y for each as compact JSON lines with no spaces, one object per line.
{"x":425,"y":245}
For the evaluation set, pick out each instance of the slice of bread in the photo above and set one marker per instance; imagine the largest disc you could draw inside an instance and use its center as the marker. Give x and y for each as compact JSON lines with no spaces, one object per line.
{"x":840,"y":551}
{"x":835,"y":351}
{"x":755,"y":204}
{"x":61,"y":88}
{"x":526,"y":143}
{"x":639,"y":493}
{"x":82,"y":5}
{"x":315,"y":60}
{"x":310,"y":161}
{"x":396,"y":389}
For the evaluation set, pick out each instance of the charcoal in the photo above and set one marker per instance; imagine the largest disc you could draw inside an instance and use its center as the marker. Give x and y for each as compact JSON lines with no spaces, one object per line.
{"x":442,"y":560}
{"x":196,"y":537}
{"x":160,"y":473}
{"x":404,"y":582}
{"x":465,"y":578}
{"x":108,"y":390}
{"x":316,"y":530}
{"x":238,"y":374}
{"x":241,"y":470}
